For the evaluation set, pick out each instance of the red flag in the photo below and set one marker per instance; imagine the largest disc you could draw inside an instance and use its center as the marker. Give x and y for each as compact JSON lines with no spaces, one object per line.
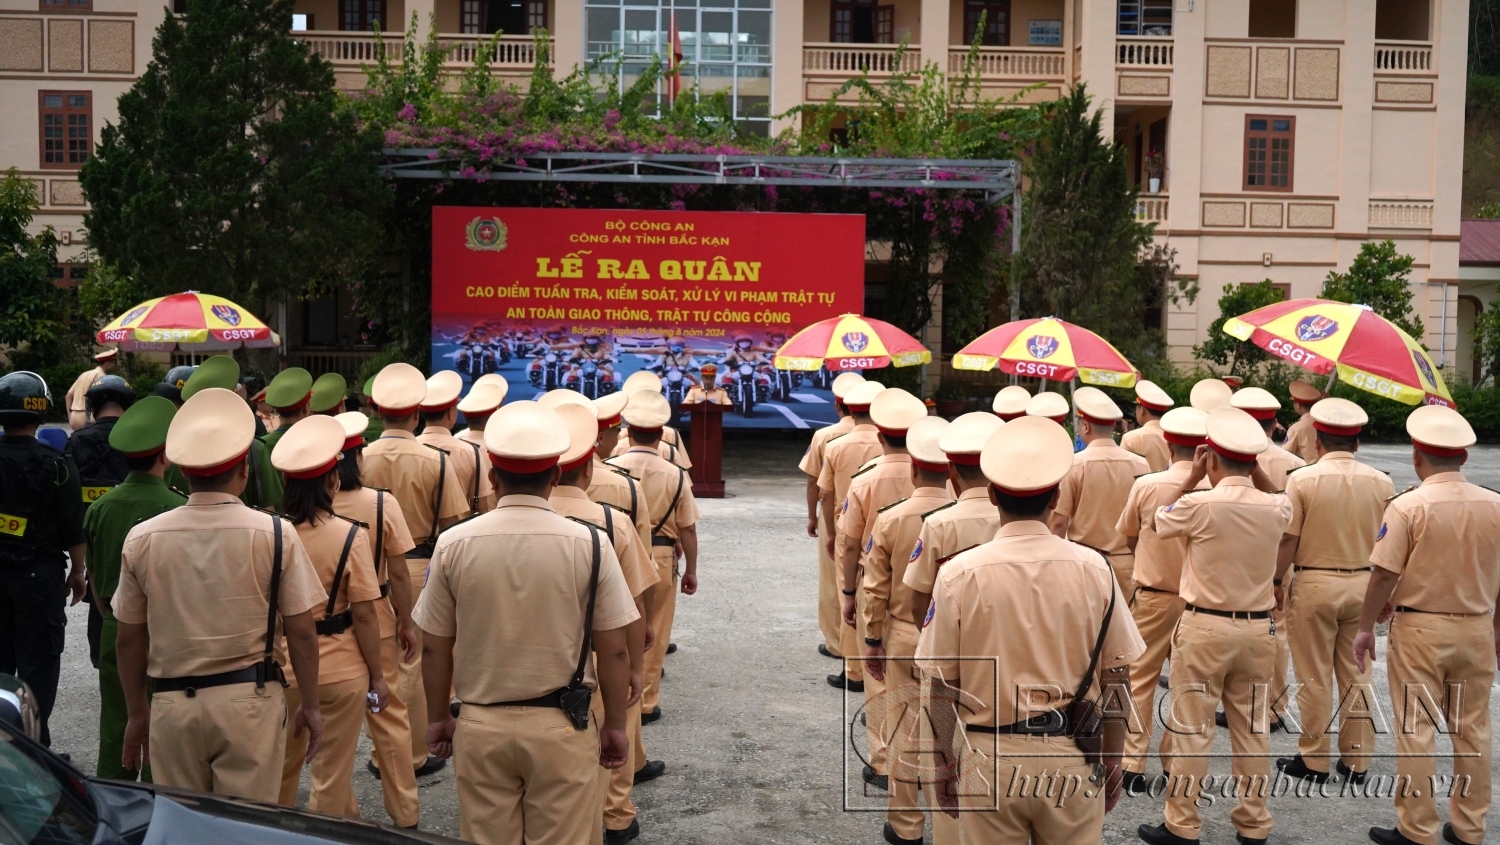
{"x":674,"y":62}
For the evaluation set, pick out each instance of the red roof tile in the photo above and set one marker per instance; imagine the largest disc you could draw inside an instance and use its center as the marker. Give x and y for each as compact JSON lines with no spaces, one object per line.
{"x":1479,"y":242}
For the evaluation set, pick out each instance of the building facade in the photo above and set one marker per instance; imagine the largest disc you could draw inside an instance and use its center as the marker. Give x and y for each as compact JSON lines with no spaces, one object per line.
{"x":1270,"y":137}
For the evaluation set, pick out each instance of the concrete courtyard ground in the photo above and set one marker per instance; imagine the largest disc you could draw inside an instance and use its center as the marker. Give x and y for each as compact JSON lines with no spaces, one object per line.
{"x":753,"y":737}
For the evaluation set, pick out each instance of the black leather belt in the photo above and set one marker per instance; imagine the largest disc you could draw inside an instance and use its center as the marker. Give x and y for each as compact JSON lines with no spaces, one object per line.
{"x":551,"y":699}
{"x":1051,"y":723}
{"x":1401,"y":608}
{"x":1231,"y":614}
{"x":385,"y":589}
{"x":192,"y":683}
{"x":1150,"y":589}
{"x":331,"y":626}
{"x":423,"y":551}
{"x":663,"y":541}
{"x":1333,"y":568}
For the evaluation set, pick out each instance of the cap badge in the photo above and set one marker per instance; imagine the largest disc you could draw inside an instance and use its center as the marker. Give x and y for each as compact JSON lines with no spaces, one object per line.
{"x":486,"y":234}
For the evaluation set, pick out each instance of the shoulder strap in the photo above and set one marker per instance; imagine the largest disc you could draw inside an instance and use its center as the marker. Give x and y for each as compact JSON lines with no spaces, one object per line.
{"x":676,"y":497}
{"x":941,"y":507}
{"x":338,"y":574}
{"x":379,"y":530}
{"x":268,"y":659}
{"x":1088,"y":677}
{"x":884,"y":508}
{"x":634,"y":497}
{"x":609,"y":523}
{"x":474,"y":497}
{"x":588,"y":616}
{"x":437,"y":507}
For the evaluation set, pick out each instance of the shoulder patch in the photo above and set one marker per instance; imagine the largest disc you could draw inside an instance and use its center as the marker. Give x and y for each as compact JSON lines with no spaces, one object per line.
{"x":869,"y":543}
{"x":1381,"y":536}
{"x":892,"y":505}
{"x":931,"y":611}
{"x":941,"y":507}
{"x":916,"y":551}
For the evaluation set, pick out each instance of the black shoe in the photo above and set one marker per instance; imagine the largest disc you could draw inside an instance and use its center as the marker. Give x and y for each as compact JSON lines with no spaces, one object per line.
{"x":66,"y":756}
{"x":1390,"y":836}
{"x":651,"y":715}
{"x":649,"y":772}
{"x":625,"y":835}
{"x":1133,"y":783}
{"x":1221,"y":719}
{"x":1159,"y":835}
{"x":431,"y":767}
{"x":1278,"y":725}
{"x":371,"y":768}
{"x":894,"y":839}
{"x":878,"y":781}
{"x":1348,"y":774}
{"x":823,"y":650}
{"x":839,"y":681}
{"x":1295,"y":768}
{"x":662,"y":674}
{"x":1245,"y":840}
{"x":1448,"y":834}
{"x":1164,"y":682}
{"x":671,"y":648}
{"x":453,"y":708}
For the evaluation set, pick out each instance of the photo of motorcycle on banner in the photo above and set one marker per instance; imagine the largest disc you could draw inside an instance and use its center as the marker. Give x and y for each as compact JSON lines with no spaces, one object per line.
{"x":581,"y":298}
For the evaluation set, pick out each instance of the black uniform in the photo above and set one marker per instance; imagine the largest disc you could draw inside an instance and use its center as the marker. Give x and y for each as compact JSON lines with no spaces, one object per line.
{"x":99,"y":465}
{"x":41,"y":516}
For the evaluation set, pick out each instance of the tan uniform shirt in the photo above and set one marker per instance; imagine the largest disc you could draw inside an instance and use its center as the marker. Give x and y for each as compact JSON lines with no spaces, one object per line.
{"x":892,"y":542}
{"x":669,"y":447}
{"x":412,"y":472}
{"x":1094,"y":491}
{"x":469,"y":435}
{"x":469,"y":464}
{"x":1034,"y":603}
{"x":1278,"y":463}
{"x":635,"y":560}
{"x":1149,"y":442}
{"x":1443,"y":539}
{"x":843,"y":456}
{"x":1301,"y":439}
{"x":81,"y":385}
{"x":887,"y":481}
{"x":1233,"y":533}
{"x":339,"y":657}
{"x":1158,"y":561}
{"x":611,"y":485}
{"x":1340,"y":501}
{"x":971,"y":521}
{"x":512,"y":588}
{"x":199,"y":578}
{"x":812,"y":459}
{"x":660,"y":481}
{"x":717,"y":395}
{"x":396,"y":541}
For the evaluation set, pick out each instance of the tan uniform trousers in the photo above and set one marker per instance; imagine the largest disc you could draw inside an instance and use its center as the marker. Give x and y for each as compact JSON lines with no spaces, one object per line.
{"x":410,"y":686}
{"x":225,"y":740}
{"x":830,"y":615}
{"x":897,"y":712}
{"x":663,"y":608}
{"x":1322,"y":612}
{"x":852,"y":637}
{"x":1215,"y":658}
{"x":1124,"y":569}
{"x":1039,"y":792}
{"x":945,"y":828}
{"x":1435,"y":652}
{"x":1281,"y":698}
{"x":619,"y":810}
{"x":1156,"y":614}
{"x":526,"y":776}
{"x":390,"y":733}
{"x":342,"y":703}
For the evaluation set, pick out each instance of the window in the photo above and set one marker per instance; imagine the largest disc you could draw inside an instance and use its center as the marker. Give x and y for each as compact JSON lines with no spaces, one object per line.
{"x":1144,"y":17}
{"x":1401,"y":20}
{"x":302,"y":23}
{"x":361,"y":15}
{"x":1273,"y":18}
{"x":469,"y":18}
{"x":996,"y":14}
{"x":67,"y":275}
{"x":66,"y":5}
{"x":1268,"y":152}
{"x":1283,"y":288}
{"x":509,"y":17}
{"x":66,"y":137}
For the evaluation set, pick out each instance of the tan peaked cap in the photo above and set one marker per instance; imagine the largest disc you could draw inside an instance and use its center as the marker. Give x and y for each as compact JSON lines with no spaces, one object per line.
{"x":1011,"y":401}
{"x":845,"y":382}
{"x":354,"y":424}
{"x":211,"y":432}
{"x":1150,"y":394}
{"x":558,"y":397}
{"x":483,"y":399}
{"x":583,"y":433}
{"x":493,"y":378}
{"x":1210,"y":393}
{"x":647,"y":410}
{"x":398,"y":389}
{"x":964,"y":440}
{"x":443,"y":388}
{"x":894,"y":410}
{"x":1050,"y":405}
{"x":922,"y":443}
{"x":1256,"y":401}
{"x":1433,"y":429}
{"x":864,"y":393}
{"x":310,"y":448}
{"x":1338,"y":417}
{"x":1186,"y":426}
{"x":524,"y":437}
{"x":1304,"y":392}
{"x":641,"y":380}
{"x":609,"y":408}
{"x":1095,"y":404}
{"x":1030,"y":458}
{"x":1235,"y":434}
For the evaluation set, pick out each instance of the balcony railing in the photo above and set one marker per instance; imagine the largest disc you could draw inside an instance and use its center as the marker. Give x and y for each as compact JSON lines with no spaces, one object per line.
{"x":1403,"y":57}
{"x":1010,"y":62}
{"x":1151,"y":208}
{"x":1144,"y":52}
{"x":362,"y":48}
{"x":854,"y":59}
{"x":1400,"y":215}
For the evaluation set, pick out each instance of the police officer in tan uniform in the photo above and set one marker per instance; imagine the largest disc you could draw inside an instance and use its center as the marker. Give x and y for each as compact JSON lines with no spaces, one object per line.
{"x":1301,"y":437}
{"x":612,"y":485}
{"x":1151,"y":402}
{"x":1437,"y":563}
{"x":350,"y":677}
{"x":74,"y":401}
{"x":1336,"y":508}
{"x":1033,"y":659}
{"x":216,"y":710}
{"x":518,"y":600}
{"x":1276,"y":461}
{"x":1093,"y":493}
{"x":1225,"y":644}
{"x":670,"y":443}
{"x":483,"y":399}
{"x":891,"y":627}
{"x":666,"y":489}
{"x":426,"y":484}
{"x":1011,"y":402}
{"x":829,"y":621}
{"x":1155,"y":605}
{"x":439,"y":415}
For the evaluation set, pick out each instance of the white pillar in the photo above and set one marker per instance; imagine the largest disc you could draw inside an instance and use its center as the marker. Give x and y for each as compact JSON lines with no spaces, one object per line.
{"x":568,"y":37}
{"x":786,"y":60}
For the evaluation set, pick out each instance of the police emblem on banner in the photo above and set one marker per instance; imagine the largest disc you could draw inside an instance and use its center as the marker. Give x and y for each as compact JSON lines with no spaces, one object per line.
{"x":1316,"y":327}
{"x":485,"y":234}
{"x":1424,"y":368}
{"x":135,"y":314}
{"x":856,"y":342}
{"x":1041,"y":346}
{"x":226,"y":313}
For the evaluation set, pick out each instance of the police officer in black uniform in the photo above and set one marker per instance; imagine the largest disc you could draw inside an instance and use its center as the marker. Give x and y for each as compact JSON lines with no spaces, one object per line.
{"x":172,"y":383}
{"x":100,"y":466}
{"x":41,"y":517}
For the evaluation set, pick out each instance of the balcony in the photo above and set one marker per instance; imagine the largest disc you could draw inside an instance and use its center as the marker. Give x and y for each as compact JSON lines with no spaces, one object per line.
{"x":1400,"y":214}
{"x":1023,"y":64}
{"x":850,"y":60}
{"x":1151,"y":208}
{"x":1403,"y":57}
{"x":514,"y":55}
{"x":1143,"y":53}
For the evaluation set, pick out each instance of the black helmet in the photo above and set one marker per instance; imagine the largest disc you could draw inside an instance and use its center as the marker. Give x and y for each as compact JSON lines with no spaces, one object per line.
{"x":24,"y":398}
{"x":168,"y":391}
{"x":109,"y":388}
{"x":178,"y":376}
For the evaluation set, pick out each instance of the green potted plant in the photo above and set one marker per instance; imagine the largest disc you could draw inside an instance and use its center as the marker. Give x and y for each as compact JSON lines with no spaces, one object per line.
{"x":951,"y":397}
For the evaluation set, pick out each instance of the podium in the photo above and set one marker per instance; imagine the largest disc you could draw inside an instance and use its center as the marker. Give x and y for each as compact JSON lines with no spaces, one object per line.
{"x":706,"y":448}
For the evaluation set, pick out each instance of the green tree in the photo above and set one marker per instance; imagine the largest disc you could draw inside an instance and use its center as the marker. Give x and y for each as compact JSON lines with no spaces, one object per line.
{"x":1380,"y":278}
{"x":1080,"y":239}
{"x":233,"y":168}
{"x":32,"y":309}
{"x":1225,"y":350}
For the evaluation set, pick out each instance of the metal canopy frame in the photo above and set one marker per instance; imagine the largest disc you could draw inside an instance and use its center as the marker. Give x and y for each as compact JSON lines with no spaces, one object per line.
{"x":998,"y":178}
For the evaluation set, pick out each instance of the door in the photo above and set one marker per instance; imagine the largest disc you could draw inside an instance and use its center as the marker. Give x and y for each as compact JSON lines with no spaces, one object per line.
{"x":854,"y":21}
{"x":996,"y":15}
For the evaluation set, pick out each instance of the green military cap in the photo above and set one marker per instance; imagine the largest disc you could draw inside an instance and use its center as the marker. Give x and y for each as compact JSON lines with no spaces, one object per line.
{"x":369,"y":386}
{"x":142,"y":430}
{"x":218,"y":371}
{"x":290,"y":390}
{"x":328,"y":392}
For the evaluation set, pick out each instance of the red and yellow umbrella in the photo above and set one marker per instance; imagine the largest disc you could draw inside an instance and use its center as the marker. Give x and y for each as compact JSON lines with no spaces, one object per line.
{"x":850,"y":342}
{"x":1368,"y":351}
{"x":191,"y":320}
{"x":1048,"y":348}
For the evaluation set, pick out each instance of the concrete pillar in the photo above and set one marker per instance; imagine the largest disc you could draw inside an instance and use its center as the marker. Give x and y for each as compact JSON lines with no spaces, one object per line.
{"x":786,"y":61}
{"x":424,"y":10}
{"x":568,"y":37}
{"x":934,"y":33}
{"x":1096,"y":32}
{"x":1356,"y":98}
{"x":1185,"y":175}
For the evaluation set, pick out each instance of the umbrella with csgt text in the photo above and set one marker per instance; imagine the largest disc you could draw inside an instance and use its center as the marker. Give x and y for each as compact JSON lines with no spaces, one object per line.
{"x":850,"y":342}
{"x":191,"y":321}
{"x":1048,"y":348}
{"x":1362,"y":347}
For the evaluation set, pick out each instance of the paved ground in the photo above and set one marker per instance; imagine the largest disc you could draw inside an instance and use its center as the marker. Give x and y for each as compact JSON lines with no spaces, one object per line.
{"x":753,"y":736}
